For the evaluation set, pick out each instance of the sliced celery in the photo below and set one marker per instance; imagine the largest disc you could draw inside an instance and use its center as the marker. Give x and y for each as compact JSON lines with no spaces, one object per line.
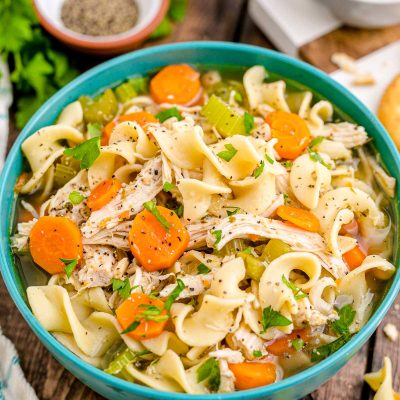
{"x":140,"y":84}
{"x":220,"y":115}
{"x":223,"y":90}
{"x":63,"y":174}
{"x":274,"y":249}
{"x":124,"y":358}
{"x":254,"y":266}
{"x":233,"y":247}
{"x":125,"y":92}
{"x":102,"y":109}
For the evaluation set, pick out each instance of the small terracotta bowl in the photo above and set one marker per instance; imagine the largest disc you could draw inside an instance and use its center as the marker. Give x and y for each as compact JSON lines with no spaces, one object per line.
{"x":150,"y":14}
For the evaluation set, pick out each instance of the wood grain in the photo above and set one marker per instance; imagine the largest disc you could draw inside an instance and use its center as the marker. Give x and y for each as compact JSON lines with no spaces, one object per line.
{"x":214,"y":20}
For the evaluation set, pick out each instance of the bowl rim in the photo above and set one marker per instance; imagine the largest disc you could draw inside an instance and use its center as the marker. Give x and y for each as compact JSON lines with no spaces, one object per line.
{"x":102,"y":44}
{"x":56,"y":348}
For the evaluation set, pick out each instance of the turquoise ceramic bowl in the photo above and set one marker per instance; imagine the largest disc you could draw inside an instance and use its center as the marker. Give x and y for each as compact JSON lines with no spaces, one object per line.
{"x":140,"y":62}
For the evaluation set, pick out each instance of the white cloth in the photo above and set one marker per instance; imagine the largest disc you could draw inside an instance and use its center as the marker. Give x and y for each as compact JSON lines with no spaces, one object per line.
{"x":5,"y":104}
{"x":13,"y":385}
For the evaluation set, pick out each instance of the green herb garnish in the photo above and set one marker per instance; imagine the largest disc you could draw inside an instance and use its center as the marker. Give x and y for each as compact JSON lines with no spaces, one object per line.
{"x":247,"y":250}
{"x":123,"y":287}
{"x":180,"y":286}
{"x":258,"y":171}
{"x":326,"y":350}
{"x":298,"y":294}
{"x":70,"y":265}
{"x":248,"y":122}
{"x":203,"y":269}
{"x":297,"y":344}
{"x":316,"y":141}
{"x":151,"y":312}
{"x":316,"y":157}
{"x":218,"y":236}
{"x":168,"y":186}
{"x":94,"y":129}
{"x":76,"y":198}
{"x":152,"y":208}
{"x":346,"y":318}
{"x":123,"y":359}
{"x":210,"y":371}
{"x":257,"y":353}
{"x":227,"y":154}
{"x":287,"y":164}
{"x":86,"y":152}
{"x":270,"y":317}
{"x":167,"y":114}
{"x":131,"y":327}
{"x":233,"y":212}
{"x":269,"y":159}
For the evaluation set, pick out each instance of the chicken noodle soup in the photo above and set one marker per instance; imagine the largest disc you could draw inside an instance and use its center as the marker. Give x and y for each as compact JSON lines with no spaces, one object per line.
{"x":202,"y":233}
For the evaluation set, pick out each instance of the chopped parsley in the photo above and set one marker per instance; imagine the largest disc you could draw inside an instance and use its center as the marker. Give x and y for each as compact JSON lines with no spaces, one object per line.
{"x":94,"y":129}
{"x":76,"y":198}
{"x":131,"y":327}
{"x":210,"y":371}
{"x":257,"y":353}
{"x":316,"y":157}
{"x":86,"y":152}
{"x":297,"y":344}
{"x":180,"y":286}
{"x":287,"y":164}
{"x":233,"y":212}
{"x":218,"y":236}
{"x":167,"y":114}
{"x":203,"y":269}
{"x":168,"y":186}
{"x":123,"y":287}
{"x":316,"y":141}
{"x":227,"y":154}
{"x":248,"y":121}
{"x":346,"y":318}
{"x":269,"y":159}
{"x":238,"y":97}
{"x":152,"y":208}
{"x":326,"y":350}
{"x":270,"y":317}
{"x":70,"y":265}
{"x":298,"y":294}
{"x":258,"y":171}
{"x":151,"y":312}
{"x":247,"y":250}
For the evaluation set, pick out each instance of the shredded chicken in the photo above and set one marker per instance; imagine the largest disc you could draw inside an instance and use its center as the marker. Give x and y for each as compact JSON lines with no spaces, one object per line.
{"x":349,"y":134}
{"x":117,"y":236}
{"x":147,"y":282}
{"x":244,"y":340}
{"x":231,"y":356}
{"x":387,"y":182}
{"x":227,"y":378}
{"x":194,"y":285}
{"x":198,"y":232}
{"x":20,"y":240}
{"x":130,"y":199}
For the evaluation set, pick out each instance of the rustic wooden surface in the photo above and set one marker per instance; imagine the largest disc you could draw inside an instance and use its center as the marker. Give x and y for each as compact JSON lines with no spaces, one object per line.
{"x":219,"y":20}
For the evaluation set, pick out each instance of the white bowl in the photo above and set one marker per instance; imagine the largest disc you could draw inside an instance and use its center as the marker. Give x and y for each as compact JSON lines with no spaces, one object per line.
{"x":366,"y":13}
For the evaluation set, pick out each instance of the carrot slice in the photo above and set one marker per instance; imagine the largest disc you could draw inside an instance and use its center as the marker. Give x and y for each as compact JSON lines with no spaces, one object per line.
{"x":52,"y":238}
{"x":153,"y":246}
{"x":134,"y":309}
{"x":299,"y":217}
{"x":350,"y":229}
{"x":19,"y":184}
{"x":103,"y":193}
{"x":176,"y":84}
{"x":249,"y":375}
{"x":291,"y":131}
{"x":354,"y":257}
{"x":283,"y":345}
{"x":141,"y":117}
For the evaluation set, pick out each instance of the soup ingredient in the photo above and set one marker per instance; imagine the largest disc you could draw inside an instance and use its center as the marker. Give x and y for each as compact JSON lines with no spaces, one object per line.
{"x":86,"y":152}
{"x":284,"y":344}
{"x":76,"y":198}
{"x":123,"y":287}
{"x":291,"y":131}
{"x":52,"y":239}
{"x":258,"y":171}
{"x":223,"y":90}
{"x":354,"y":257}
{"x":124,"y":92}
{"x":63,"y":174}
{"x":227,"y":154}
{"x":249,"y":375}
{"x":326,"y":350}
{"x":299,"y":217}
{"x":70,"y":266}
{"x":152,"y":245}
{"x":166,"y":114}
{"x":123,"y":359}
{"x":176,"y":84}
{"x":297,"y":293}
{"x":210,"y":371}
{"x":254,"y":266}
{"x":180,"y":286}
{"x":270,"y":317}
{"x":223,"y":118}
{"x":142,"y":317}
{"x":101,"y":109}
{"x":151,"y":206}
{"x":346,"y":318}
{"x":248,"y":122}
{"x":103,"y":193}
{"x":99,"y":17}
{"x":274,"y":249}
{"x":391,"y":332}
{"x":389,"y":110}
{"x":141,"y":117}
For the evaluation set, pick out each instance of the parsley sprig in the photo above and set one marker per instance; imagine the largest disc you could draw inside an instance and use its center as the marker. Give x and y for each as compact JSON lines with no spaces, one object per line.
{"x":298,"y":294}
{"x":270,"y":318}
{"x":210,"y":371}
{"x":227,"y":154}
{"x":70,"y":265}
{"x":152,"y":208}
{"x":86,"y":152}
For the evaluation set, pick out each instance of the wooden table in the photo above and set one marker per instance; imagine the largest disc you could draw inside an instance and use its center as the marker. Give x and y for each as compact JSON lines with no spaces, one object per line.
{"x":217,"y":20}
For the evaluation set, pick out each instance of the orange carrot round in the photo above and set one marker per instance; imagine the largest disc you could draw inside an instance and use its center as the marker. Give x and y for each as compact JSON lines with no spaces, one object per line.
{"x":153,"y":246}
{"x":52,"y":238}
{"x":176,"y":84}
{"x":103,"y":193}
{"x":354,"y":257}
{"x":134,"y":309}
{"x":283,"y":345}
{"x":299,"y":217}
{"x":249,"y":375}
{"x":19,"y":184}
{"x":291,"y":131}
{"x":141,"y":117}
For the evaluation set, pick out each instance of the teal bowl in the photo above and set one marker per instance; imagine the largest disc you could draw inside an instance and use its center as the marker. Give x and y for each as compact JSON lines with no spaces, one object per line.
{"x":140,"y":62}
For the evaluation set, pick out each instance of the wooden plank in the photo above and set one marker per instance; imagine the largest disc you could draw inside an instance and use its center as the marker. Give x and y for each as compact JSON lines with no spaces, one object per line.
{"x":355,"y":42}
{"x":251,"y":34}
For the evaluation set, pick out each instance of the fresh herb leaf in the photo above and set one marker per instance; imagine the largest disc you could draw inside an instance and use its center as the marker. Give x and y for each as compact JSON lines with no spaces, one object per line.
{"x":227,"y":154}
{"x":346,"y":318}
{"x":238,"y":97}
{"x":210,"y":371}
{"x":94,"y":129}
{"x":76,"y":198}
{"x":203,"y":269}
{"x":177,"y":10}
{"x":326,"y":350}
{"x":70,"y":265}
{"x":247,"y":250}
{"x":167,"y":114}
{"x":154,"y":295}
{"x":270,"y":317}
{"x":248,"y":121}
{"x":122,"y":359}
{"x":316,"y":141}
{"x":286,"y":199}
{"x":257,"y":353}
{"x":152,"y":208}
{"x":151,"y":313}
{"x":131,"y":327}
{"x":122,"y":286}
{"x":316,"y":157}
{"x":297,"y":344}
{"x":298,"y":294}
{"x":258,"y":171}
{"x":180,"y":286}
{"x":269,"y":159}
{"x":86,"y":152}
{"x":233,"y":212}
{"x":218,"y":236}
{"x":287,"y":164}
{"x":168,"y":186}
